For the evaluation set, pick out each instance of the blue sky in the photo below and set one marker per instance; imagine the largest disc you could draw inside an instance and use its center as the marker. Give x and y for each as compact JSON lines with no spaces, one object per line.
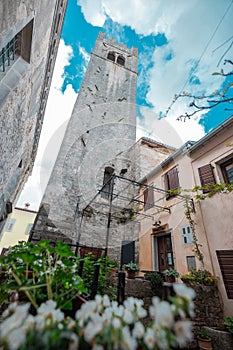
{"x":85,"y":18}
{"x":180,"y":44}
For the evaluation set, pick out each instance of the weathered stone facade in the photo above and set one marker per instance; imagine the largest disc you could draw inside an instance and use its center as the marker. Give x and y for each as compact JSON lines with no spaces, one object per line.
{"x":100,"y":132}
{"x":35,"y":26}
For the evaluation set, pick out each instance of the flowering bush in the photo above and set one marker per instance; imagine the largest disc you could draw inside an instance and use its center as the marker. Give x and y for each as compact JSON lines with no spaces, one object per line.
{"x":42,"y":272}
{"x":102,"y":324}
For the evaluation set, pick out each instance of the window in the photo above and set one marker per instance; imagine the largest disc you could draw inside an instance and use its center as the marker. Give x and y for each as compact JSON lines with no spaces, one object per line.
{"x":148,"y":198}
{"x":14,"y":59}
{"x":225,"y":260}
{"x":187,"y":235}
{"x":207,"y":178}
{"x":10,"y":224}
{"x":121,"y":60}
{"x":10,"y":52}
{"x":106,"y":190}
{"x":111,"y":56}
{"x":28,"y":229}
{"x":227,"y":171}
{"x":191,"y":263}
{"x":172,"y":182}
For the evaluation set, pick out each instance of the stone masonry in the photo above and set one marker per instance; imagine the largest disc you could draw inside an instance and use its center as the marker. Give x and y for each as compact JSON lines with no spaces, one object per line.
{"x":24,"y":86}
{"x":99,"y":134}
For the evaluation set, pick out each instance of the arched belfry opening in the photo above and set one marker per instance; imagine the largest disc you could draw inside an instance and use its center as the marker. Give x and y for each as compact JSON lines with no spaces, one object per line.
{"x":108,"y":172}
{"x":111,"y":56}
{"x":121,"y":60}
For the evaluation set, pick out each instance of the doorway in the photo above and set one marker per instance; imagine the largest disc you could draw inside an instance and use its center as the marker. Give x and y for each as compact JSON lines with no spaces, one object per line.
{"x":165,"y":253}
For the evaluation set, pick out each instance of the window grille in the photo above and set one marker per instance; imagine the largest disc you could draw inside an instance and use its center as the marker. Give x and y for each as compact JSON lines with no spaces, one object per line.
{"x":10,"y":53}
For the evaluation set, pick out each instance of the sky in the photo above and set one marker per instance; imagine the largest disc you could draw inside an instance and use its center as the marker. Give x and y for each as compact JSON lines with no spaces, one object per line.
{"x":180,"y":43}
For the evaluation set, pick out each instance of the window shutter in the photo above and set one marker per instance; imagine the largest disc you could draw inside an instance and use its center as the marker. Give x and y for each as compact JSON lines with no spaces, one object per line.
{"x":148,"y":198}
{"x":173,"y":179}
{"x":225,"y":260}
{"x":206,"y":175}
{"x":172,"y":182}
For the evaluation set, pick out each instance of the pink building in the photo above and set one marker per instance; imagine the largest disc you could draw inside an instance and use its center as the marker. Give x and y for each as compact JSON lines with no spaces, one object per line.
{"x":166,"y":238}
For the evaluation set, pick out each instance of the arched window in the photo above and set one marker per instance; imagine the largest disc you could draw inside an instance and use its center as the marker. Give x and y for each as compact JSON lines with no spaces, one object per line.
{"x":108,"y":172}
{"x":121,"y":60}
{"x":111,"y":56}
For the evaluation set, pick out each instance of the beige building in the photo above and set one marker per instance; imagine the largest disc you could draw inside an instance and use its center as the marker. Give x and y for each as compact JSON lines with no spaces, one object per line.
{"x":29,"y":37}
{"x":166,"y":238}
{"x":17,"y":227}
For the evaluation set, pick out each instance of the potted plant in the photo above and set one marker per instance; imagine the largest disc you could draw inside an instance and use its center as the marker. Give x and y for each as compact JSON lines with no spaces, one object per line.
{"x":228,"y":322}
{"x":204,"y":341}
{"x":170,"y":275}
{"x":131,"y":269}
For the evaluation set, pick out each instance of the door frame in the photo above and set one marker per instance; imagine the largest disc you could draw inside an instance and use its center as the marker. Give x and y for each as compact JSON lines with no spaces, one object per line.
{"x":155,"y":259}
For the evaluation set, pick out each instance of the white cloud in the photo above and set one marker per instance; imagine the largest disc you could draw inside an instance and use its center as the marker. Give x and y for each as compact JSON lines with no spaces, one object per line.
{"x":194,"y":29}
{"x":86,"y":56}
{"x":58,"y":111}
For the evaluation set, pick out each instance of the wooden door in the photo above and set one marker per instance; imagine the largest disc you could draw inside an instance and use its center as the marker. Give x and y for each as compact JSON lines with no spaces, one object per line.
{"x":165,"y":254}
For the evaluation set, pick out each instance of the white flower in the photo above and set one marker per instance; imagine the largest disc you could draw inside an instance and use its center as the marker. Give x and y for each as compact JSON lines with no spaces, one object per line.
{"x":46,"y":308}
{"x":128,"y":317}
{"x":91,"y":330}
{"x":16,"y":338}
{"x":39,"y":322}
{"x":74,"y":341}
{"x":97,"y":347}
{"x":164,"y":315}
{"x":129,"y":343}
{"x":161,"y":340}
{"x":15,"y":320}
{"x":116,"y":323}
{"x":182,"y":290}
{"x":149,"y":338}
{"x":183,"y":330}
{"x":138,"y":330}
{"x":141,"y":312}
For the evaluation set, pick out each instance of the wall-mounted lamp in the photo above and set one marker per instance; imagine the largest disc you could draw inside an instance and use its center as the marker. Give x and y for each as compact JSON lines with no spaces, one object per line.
{"x":157,"y":223}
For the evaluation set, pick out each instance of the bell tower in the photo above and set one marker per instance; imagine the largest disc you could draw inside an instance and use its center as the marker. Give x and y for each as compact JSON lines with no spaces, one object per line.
{"x":99,"y":134}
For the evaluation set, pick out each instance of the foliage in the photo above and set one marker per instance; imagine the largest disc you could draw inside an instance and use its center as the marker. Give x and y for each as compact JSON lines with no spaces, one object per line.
{"x":42,"y":272}
{"x":101,"y":324}
{"x":131,"y":266}
{"x":202,"y":334}
{"x":171,"y":272}
{"x":200,"y":103}
{"x":104,"y":271}
{"x":228,"y":322}
{"x":213,"y":189}
{"x":156,"y":281}
{"x":200,"y":277}
{"x":189,"y":211}
{"x":127,"y":214}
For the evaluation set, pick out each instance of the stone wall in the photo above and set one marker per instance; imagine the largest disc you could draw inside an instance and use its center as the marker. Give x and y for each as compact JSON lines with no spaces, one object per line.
{"x":24,"y":87}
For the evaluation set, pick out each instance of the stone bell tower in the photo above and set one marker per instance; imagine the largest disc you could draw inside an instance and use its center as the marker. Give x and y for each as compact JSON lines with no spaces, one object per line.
{"x":99,"y":134}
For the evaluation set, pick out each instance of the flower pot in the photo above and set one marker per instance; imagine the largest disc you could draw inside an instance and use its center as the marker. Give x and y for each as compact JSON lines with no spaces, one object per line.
{"x":204,"y":344}
{"x":131,"y":274}
{"x":170,"y":279}
{"x":220,"y":339}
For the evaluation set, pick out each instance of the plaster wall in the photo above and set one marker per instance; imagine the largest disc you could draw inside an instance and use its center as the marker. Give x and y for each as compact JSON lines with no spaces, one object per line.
{"x":217,"y":211}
